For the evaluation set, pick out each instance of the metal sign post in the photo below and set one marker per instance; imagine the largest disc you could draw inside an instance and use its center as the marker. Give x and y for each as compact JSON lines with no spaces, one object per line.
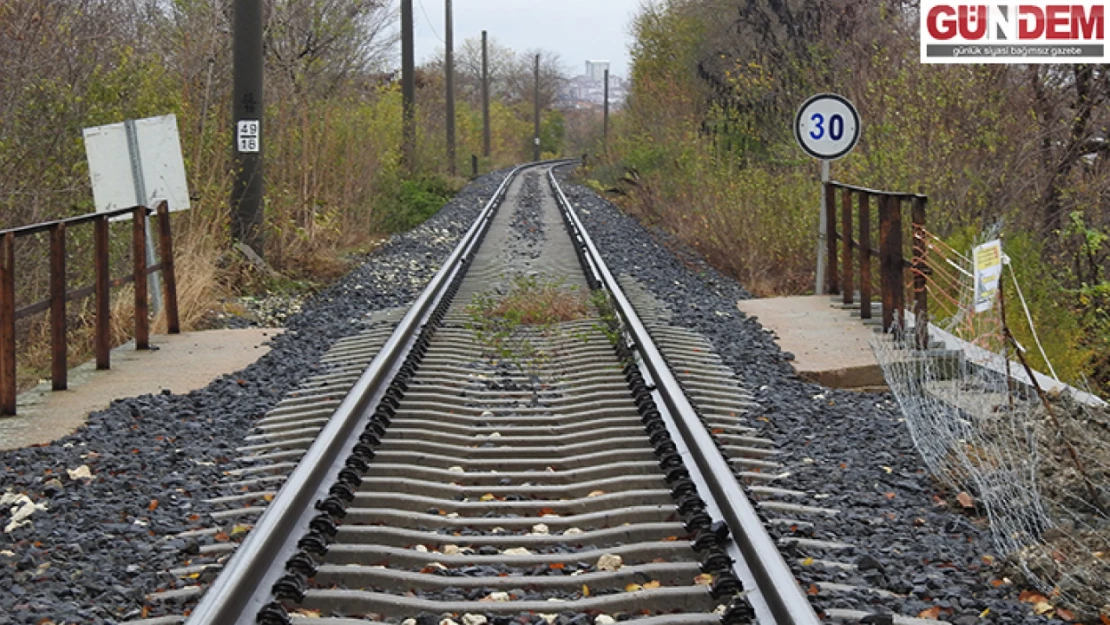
{"x":826,"y":127}
{"x":822,"y":228}
{"x":140,"y":193}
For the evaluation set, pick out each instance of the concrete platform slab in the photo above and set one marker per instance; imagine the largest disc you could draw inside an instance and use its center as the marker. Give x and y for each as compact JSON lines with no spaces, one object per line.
{"x":182,"y":363}
{"x":830,"y":345}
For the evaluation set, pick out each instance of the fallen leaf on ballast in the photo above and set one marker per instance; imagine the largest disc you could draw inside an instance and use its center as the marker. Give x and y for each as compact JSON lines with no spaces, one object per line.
{"x":633,"y":588}
{"x":930,"y":613}
{"x":652,"y":584}
{"x":1043,"y":608}
{"x":596,"y":493}
{"x":703,"y":579}
{"x":1031,"y":596}
{"x":609,"y":562}
{"x":965,"y":500}
{"x":307,"y":613}
{"x":81,"y":472}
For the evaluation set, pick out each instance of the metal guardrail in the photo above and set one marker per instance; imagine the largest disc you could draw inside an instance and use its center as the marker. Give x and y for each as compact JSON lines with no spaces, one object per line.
{"x":892,"y":263}
{"x":776,"y":597}
{"x":101,"y":289}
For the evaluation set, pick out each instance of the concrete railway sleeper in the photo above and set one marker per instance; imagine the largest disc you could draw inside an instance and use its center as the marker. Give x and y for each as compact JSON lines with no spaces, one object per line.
{"x":560,"y":476}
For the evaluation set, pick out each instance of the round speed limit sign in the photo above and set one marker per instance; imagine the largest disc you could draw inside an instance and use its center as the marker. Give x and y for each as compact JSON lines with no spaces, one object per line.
{"x":827,"y":126}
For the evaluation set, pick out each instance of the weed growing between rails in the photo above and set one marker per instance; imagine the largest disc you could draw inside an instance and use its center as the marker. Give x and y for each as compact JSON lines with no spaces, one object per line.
{"x":1036,"y":462}
{"x":507,"y":322}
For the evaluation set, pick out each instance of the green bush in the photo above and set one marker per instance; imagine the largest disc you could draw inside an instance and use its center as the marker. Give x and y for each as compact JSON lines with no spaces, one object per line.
{"x":414,"y":200}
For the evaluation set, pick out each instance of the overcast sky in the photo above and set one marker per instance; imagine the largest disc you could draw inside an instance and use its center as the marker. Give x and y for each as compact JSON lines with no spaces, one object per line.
{"x":578,"y":30}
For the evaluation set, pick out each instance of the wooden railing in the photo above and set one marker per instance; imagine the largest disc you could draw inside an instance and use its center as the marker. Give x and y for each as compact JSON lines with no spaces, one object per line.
{"x":840,"y":277}
{"x":60,"y":295}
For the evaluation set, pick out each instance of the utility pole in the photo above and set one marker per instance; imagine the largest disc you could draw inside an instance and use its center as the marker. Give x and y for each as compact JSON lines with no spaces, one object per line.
{"x":605,"y":117}
{"x":536,"y":135}
{"x":408,"y":88}
{"x":485,"y":96}
{"x":449,"y":61}
{"x":246,"y":194}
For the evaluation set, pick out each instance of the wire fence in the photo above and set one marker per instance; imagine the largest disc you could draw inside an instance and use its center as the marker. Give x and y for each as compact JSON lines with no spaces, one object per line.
{"x":1032,"y":454}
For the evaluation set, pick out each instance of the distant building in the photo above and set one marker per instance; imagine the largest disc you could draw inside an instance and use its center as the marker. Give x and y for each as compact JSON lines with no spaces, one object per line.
{"x":596,"y":69}
{"x":587,"y":92}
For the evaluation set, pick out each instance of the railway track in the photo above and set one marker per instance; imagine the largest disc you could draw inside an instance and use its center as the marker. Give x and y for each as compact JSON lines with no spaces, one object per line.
{"x":448,"y":470}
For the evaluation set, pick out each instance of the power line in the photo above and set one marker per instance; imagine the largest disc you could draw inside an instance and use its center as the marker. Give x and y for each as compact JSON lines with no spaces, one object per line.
{"x":429,"y":20}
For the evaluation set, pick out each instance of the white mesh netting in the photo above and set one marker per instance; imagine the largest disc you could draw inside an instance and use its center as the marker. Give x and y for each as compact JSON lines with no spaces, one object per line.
{"x":1037,"y":464}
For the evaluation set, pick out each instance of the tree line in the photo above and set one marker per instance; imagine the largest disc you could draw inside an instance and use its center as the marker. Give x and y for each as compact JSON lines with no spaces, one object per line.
{"x":334,"y":178}
{"x":715,"y":85}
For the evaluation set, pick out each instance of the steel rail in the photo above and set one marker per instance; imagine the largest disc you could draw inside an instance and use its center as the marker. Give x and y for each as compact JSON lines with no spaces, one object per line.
{"x":244,"y":585}
{"x":777,"y":595}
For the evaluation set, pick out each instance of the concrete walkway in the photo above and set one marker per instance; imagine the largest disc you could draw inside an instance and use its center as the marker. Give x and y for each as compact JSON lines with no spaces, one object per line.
{"x":830,"y":344}
{"x":182,"y":363}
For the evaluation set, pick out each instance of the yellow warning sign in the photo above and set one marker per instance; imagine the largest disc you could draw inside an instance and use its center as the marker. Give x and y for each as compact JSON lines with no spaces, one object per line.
{"x":988,"y":274}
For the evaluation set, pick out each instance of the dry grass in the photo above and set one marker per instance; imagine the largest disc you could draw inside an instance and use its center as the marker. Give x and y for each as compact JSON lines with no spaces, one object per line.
{"x":534,"y":301}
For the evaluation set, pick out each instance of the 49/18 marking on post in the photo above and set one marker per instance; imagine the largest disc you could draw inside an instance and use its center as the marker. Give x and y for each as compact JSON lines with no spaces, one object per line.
{"x":247,"y":137}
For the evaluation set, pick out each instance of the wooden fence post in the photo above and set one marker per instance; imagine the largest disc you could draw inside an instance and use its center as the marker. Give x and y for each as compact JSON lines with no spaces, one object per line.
{"x":138,"y":260}
{"x":920,"y":294}
{"x":103,"y":308}
{"x":865,"y":255}
{"x":7,"y":324}
{"x":832,"y":278}
{"x":58,"y":366}
{"x":169,"y":278}
{"x":846,"y":245}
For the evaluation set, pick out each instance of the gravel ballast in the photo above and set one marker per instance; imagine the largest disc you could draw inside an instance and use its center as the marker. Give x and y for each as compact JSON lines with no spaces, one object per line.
{"x":95,"y":546}
{"x":102,"y":542}
{"x":852,"y":449}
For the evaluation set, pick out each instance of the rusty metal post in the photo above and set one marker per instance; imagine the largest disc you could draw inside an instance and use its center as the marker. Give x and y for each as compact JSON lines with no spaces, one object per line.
{"x":103,"y":339}
{"x":58,"y":366}
{"x":920,"y":293}
{"x":832,"y":278}
{"x":865,"y":255}
{"x":886,"y":263}
{"x":897,"y":262}
{"x":138,"y":260}
{"x":7,"y":324}
{"x":169,"y":278}
{"x":846,"y":244}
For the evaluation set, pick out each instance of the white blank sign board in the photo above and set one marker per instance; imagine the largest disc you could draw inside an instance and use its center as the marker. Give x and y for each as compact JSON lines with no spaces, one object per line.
{"x":158,"y":158}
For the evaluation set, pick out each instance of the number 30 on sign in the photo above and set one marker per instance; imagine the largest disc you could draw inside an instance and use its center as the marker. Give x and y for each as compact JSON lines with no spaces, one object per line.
{"x":827,"y":126}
